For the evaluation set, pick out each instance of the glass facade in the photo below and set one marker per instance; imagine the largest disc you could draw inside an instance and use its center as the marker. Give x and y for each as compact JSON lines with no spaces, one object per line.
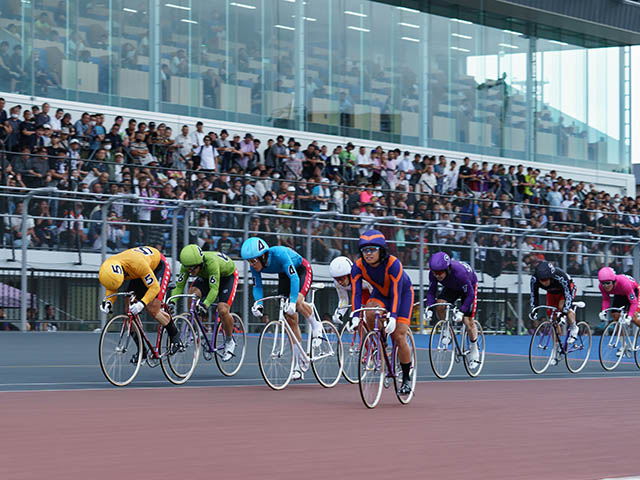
{"x":341,"y":67}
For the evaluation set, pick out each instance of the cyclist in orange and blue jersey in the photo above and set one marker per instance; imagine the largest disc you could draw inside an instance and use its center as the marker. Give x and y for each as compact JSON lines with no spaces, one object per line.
{"x":392,"y":290}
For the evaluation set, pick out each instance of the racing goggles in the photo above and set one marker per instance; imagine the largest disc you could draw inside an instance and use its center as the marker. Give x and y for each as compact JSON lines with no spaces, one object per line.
{"x":439,"y":272}
{"x":370,"y":250}
{"x":607,"y":283}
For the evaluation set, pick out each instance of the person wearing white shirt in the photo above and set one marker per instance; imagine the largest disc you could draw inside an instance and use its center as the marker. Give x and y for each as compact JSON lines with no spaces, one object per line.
{"x":197,"y":137}
{"x":450,"y":181}
{"x":405,"y":165}
{"x":428,"y":181}
{"x":184,"y":142}
{"x":208,"y":155}
{"x":55,"y":122}
{"x":363,"y":162}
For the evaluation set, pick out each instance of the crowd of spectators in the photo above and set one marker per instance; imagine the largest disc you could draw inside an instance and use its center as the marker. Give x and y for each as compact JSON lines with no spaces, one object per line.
{"x":41,"y":146}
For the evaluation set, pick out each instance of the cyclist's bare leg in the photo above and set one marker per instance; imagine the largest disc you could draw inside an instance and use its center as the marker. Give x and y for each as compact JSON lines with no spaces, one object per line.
{"x":292,"y":320}
{"x":471,"y":328}
{"x":571,"y":316}
{"x":441,"y":311}
{"x":303,"y":307}
{"x":370,"y":315}
{"x":154,"y":309}
{"x":400,"y":338}
{"x":194,"y":291}
{"x":227,"y":319}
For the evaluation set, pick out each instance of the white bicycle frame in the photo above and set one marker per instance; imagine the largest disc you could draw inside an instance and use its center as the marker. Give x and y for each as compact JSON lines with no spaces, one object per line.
{"x":628,"y":337}
{"x":450,"y":315}
{"x":284,"y":325}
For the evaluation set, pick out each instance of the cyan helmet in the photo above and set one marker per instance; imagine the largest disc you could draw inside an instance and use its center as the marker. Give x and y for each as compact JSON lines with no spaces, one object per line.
{"x":253,"y":247}
{"x":544,"y":270}
{"x":439,"y":262}
{"x":191,"y":256}
{"x":607,"y":274}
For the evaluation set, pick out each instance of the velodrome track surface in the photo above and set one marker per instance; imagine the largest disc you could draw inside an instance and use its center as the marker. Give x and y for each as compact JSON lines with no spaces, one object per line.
{"x":61,"y":419}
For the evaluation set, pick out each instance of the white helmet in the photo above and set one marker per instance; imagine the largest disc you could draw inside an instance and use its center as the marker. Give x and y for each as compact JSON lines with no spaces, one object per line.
{"x":340,"y":266}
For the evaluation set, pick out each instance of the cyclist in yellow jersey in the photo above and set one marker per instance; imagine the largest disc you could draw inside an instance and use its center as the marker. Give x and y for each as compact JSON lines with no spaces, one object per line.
{"x":148,"y":273}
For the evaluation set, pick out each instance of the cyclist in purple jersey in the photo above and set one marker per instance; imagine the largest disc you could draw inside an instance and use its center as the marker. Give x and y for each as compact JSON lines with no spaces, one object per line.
{"x":458,"y":281}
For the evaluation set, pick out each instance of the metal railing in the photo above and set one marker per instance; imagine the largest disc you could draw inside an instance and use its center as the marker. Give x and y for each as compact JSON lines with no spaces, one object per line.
{"x":119,"y":222}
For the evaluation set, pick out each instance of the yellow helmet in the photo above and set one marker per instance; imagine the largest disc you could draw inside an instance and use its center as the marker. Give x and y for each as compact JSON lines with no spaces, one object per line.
{"x":111,"y":274}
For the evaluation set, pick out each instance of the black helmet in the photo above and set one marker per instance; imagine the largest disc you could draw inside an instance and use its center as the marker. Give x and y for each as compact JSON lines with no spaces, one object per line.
{"x":544,"y":270}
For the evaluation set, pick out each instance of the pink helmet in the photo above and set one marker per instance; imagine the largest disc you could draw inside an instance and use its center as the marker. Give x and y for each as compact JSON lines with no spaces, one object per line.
{"x":607,"y":274}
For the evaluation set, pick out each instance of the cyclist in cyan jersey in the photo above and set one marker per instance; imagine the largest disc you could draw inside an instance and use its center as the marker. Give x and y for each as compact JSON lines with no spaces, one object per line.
{"x":458,"y":281}
{"x":295,"y":277}
{"x":625,"y":291}
{"x":148,"y":273}
{"x":216,"y":278}
{"x":340,"y":271}
{"x":392,"y":290}
{"x":561,"y":292}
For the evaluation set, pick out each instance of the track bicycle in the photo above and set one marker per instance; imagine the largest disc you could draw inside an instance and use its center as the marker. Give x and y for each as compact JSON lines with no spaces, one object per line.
{"x":617,"y":340}
{"x":444,"y":347}
{"x":277,"y":348}
{"x":214,"y":346}
{"x":351,"y":343}
{"x":377,"y":367}
{"x":123,"y":343}
{"x":547,"y":347}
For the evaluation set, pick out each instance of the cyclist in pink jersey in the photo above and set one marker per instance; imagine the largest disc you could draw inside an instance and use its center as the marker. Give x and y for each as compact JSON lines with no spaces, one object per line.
{"x":625,"y":291}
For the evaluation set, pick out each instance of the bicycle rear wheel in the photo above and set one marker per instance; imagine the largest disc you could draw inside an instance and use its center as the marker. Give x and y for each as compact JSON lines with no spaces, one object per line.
{"x":326,"y":360}
{"x":119,"y":341}
{"x":413,"y":372}
{"x":441,"y":345}
{"x":636,"y":346}
{"x":578,"y":352}
{"x":275,"y":355}
{"x":351,"y":353}
{"x":612,"y":345}
{"x":542,"y":347}
{"x":231,"y":367}
{"x":179,"y":367}
{"x":371,"y":369}
{"x":473,"y":368}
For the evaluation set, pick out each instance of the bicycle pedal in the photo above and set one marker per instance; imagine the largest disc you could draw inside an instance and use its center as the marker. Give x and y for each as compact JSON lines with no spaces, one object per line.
{"x":387,"y":382}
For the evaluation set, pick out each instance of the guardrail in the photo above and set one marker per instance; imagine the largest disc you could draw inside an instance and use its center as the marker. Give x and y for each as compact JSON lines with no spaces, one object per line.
{"x":114,"y":223}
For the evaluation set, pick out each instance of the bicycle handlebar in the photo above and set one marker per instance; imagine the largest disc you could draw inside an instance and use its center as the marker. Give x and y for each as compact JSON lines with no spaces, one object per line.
{"x":574,"y":305}
{"x":279,"y":297}
{"x":183,"y":295}
{"x":369,"y":309}
{"x":117,"y":294}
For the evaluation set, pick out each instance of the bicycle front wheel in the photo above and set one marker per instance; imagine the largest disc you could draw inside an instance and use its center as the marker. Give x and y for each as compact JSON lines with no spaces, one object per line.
{"x":230,"y":367}
{"x":635,"y":347}
{"x":371,"y":369}
{"x":275,"y":355}
{"x":473,"y":368}
{"x":578,"y":352}
{"x":326,"y":358}
{"x":413,"y":372}
{"x":351,"y":353}
{"x":542,"y":347}
{"x":119,"y":350}
{"x":612,"y":345}
{"x":179,"y":367}
{"x":441,"y":353}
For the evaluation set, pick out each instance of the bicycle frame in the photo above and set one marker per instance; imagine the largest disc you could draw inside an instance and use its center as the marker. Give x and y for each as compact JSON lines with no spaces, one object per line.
{"x":565,"y":347}
{"x":451,"y":311}
{"x":628,"y":337}
{"x":136,"y":319}
{"x":195,"y":319}
{"x":285,"y":326}
{"x":390,"y":363}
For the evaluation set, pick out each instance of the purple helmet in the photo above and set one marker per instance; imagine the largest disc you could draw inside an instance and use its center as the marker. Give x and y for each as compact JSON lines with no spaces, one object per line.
{"x":372,"y":238}
{"x":439,"y":261}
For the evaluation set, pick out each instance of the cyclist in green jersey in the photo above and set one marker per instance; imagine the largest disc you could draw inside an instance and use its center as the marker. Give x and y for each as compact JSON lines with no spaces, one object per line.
{"x":216,"y":277}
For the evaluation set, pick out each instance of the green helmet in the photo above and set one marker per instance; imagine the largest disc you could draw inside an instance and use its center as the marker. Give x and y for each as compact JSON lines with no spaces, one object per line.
{"x":191,"y":256}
